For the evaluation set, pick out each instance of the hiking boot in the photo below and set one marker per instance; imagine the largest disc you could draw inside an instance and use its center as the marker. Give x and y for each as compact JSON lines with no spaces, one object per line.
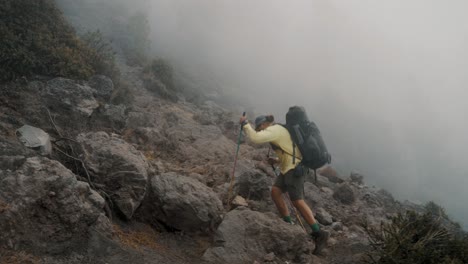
{"x":320,"y":239}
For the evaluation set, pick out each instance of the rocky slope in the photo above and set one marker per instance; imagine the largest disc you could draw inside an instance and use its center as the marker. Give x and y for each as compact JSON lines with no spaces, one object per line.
{"x":148,"y":182}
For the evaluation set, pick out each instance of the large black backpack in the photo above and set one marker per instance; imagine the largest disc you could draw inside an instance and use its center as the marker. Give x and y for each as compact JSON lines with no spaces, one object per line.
{"x":306,"y":136}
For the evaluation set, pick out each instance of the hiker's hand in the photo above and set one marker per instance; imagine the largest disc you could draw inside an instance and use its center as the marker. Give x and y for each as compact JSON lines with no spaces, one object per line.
{"x":273,"y":161}
{"x":243,"y":120}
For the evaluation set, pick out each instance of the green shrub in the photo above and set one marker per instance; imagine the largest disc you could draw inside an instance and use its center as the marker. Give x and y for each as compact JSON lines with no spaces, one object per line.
{"x":157,"y":77}
{"x":162,"y":70}
{"x":36,"y":39}
{"x":122,"y":94}
{"x":435,"y":209}
{"x":414,"y":238}
{"x":102,"y":57}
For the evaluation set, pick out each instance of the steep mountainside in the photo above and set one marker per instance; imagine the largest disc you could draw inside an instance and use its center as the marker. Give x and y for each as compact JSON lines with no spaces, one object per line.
{"x":97,"y":172}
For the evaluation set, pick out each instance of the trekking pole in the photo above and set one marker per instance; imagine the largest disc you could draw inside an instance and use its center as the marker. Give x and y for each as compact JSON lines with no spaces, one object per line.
{"x":287,"y":198}
{"x":231,"y":185}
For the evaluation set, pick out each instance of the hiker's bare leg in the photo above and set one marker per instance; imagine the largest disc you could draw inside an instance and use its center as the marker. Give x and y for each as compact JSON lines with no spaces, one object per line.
{"x":302,"y":206}
{"x":277,"y":196}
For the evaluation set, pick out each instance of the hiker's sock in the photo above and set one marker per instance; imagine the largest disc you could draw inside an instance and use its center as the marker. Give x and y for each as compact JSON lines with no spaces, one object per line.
{"x":315,"y":227}
{"x":287,"y":219}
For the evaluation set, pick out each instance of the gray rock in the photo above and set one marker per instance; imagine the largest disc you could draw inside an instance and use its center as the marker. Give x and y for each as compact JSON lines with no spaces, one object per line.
{"x":11,"y":162}
{"x":312,"y":195}
{"x":253,"y":185}
{"x":119,"y":167}
{"x":103,"y":87}
{"x":182,"y":203}
{"x":110,"y":116}
{"x":337,"y":226}
{"x":344,"y":194}
{"x":45,"y":208}
{"x":35,"y":138}
{"x":246,"y":235}
{"x":323,"y":216}
{"x":67,"y":96}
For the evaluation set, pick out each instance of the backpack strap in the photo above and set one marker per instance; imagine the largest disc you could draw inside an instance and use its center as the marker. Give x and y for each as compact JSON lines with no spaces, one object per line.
{"x":294,"y":153}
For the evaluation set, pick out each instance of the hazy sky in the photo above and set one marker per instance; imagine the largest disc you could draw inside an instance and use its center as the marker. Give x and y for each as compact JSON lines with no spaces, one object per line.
{"x":384,"y":80}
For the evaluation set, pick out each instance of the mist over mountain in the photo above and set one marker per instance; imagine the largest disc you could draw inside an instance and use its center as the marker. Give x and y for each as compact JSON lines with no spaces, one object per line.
{"x":385,"y":81}
{"x":119,"y":121}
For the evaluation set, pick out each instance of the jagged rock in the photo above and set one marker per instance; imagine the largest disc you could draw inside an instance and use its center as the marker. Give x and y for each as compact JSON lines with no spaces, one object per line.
{"x":12,"y":147}
{"x":344,"y":194}
{"x":337,"y":226}
{"x":246,"y":235}
{"x":118,"y":166}
{"x":102,"y":85}
{"x":181,"y":203}
{"x":45,"y":207}
{"x":312,"y":195}
{"x":248,"y":182}
{"x":11,"y":162}
{"x":357,"y":177}
{"x":253,"y":185}
{"x":110,"y":116}
{"x":323,"y":216}
{"x":35,"y":138}
{"x":67,"y":96}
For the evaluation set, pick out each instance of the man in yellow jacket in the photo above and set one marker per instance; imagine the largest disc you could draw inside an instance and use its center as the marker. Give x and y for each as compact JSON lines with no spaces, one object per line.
{"x":291,"y":178}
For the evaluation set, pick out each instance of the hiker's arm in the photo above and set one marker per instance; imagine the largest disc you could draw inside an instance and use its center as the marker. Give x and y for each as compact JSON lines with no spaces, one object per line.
{"x":260,"y":137}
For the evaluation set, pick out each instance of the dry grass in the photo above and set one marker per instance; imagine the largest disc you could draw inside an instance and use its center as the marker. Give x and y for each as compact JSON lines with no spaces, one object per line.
{"x":150,"y":155}
{"x":17,"y":257}
{"x":138,"y":239}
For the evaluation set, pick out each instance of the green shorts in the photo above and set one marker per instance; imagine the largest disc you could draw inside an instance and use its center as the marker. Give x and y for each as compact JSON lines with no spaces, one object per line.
{"x":292,"y":184}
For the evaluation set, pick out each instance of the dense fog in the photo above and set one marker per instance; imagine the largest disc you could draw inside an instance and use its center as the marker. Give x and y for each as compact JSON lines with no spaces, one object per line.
{"x":384,"y":80}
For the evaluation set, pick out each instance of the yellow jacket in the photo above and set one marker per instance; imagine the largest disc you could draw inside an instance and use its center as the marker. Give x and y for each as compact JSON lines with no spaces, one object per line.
{"x":279,"y":136}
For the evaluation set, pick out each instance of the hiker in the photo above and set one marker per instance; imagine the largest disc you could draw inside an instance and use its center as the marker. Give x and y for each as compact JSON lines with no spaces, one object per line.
{"x":291,"y":178}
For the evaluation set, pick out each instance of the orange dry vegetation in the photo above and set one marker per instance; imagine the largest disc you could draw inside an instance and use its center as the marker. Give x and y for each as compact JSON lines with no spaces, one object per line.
{"x":138,"y":239}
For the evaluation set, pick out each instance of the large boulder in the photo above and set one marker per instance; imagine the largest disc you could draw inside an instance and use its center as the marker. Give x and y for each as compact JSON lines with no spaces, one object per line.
{"x":103,"y":87}
{"x":344,"y":194}
{"x":68,"y":97}
{"x":43,"y":206}
{"x":324,"y":217}
{"x":118,"y":167}
{"x":109,"y":117}
{"x":182,"y":203}
{"x":251,"y":183}
{"x":245,"y":236}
